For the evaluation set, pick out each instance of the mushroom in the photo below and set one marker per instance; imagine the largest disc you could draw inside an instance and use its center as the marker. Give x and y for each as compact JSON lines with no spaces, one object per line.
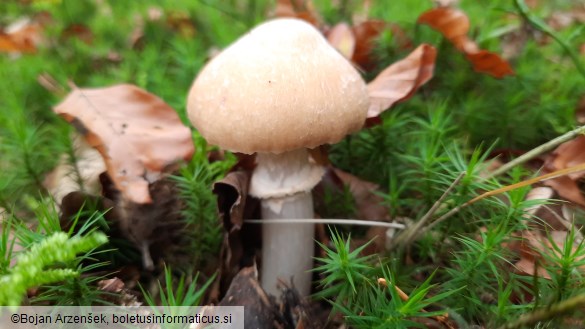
{"x":277,"y":91}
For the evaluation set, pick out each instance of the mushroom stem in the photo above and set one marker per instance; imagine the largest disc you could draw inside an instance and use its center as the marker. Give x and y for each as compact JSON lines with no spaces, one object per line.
{"x":284,"y":182}
{"x":287,"y":249}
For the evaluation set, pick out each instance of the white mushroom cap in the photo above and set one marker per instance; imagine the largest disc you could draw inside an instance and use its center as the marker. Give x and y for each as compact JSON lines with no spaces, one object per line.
{"x":278,"y":88}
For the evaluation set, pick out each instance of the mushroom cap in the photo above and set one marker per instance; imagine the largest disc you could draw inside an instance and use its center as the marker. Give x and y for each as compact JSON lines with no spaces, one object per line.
{"x":278,"y":88}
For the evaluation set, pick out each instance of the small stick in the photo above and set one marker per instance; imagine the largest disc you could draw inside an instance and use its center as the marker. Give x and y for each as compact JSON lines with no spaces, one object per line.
{"x":326,"y":221}
{"x":536,"y":152}
{"x":527,"y":182}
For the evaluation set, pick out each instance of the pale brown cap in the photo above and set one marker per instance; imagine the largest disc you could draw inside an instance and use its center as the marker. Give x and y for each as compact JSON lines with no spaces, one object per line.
{"x":278,"y":88}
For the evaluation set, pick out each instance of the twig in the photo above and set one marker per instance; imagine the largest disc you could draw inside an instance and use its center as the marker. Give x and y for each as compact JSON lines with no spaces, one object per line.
{"x":501,"y":190}
{"x":410,"y":234}
{"x":548,"y":313}
{"x":540,"y":25}
{"x":536,"y":152}
{"x":325,"y":221}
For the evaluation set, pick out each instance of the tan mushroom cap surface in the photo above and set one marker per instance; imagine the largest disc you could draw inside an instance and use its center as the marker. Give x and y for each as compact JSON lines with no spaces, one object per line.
{"x":278,"y":88}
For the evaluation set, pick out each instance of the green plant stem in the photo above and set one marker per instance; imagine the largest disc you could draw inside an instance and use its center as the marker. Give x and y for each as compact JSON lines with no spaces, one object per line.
{"x":536,"y":152}
{"x":540,"y":25}
{"x":548,"y":313}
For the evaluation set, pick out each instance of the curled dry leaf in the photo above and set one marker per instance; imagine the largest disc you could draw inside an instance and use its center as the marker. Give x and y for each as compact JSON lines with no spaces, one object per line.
{"x":341,"y":37}
{"x":234,"y":205}
{"x":365,"y":35}
{"x":360,"y":40}
{"x":232,"y":192}
{"x":138,"y":135}
{"x":400,"y":80}
{"x":454,"y":24}
{"x":567,"y":155}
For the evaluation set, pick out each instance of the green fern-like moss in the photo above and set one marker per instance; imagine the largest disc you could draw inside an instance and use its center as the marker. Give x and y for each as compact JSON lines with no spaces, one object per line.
{"x":30,"y":269}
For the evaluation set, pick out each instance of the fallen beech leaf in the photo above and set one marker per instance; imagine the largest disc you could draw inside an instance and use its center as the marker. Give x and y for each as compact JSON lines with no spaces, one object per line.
{"x":548,"y":216}
{"x":138,"y":135}
{"x":537,"y":193}
{"x":63,"y":179}
{"x":400,"y":80}
{"x":365,"y":34}
{"x":23,"y":36}
{"x":490,"y":63}
{"x":341,"y":37}
{"x":535,"y":248}
{"x":368,"y":204}
{"x":453,"y":24}
{"x":79,"y":31}
{"x":567,"y":155}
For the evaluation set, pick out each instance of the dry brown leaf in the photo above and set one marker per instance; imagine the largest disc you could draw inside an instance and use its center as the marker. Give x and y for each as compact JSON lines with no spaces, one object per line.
{"x":365,"y":35}
{"x":546,"y":217}
{"x":232,"y":192}
{"x":138,"y":134}
{"x":63,"y":179}
{"x":369,"y":205}
{"x":567,"y":155}
{"x":534,"y":249}
{"x":341,"y":37}
{"x":23,"y":36}
{"x":117,"y":293}
{"x":400,"y":80}
{"x":454,"y":24}
{"x":537,"y":193}
{"x":79,"y":31}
